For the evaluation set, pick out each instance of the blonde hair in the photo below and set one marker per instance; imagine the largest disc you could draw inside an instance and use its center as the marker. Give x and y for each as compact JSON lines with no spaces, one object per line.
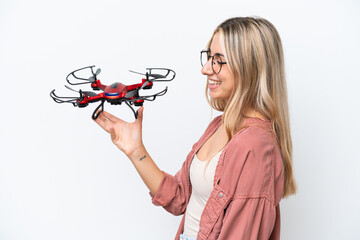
{"x":254,"y":54}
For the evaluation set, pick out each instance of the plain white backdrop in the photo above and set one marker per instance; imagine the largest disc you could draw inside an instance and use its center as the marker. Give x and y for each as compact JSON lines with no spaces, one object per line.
{"x":62,"y":178}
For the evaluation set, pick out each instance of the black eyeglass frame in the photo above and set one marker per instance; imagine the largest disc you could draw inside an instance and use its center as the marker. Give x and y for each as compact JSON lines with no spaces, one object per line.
{"x":212,"y":59}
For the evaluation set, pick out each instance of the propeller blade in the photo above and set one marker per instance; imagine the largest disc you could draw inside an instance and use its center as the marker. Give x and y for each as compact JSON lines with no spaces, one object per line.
{"x":156,"y":75}
{"x":136,"y":72}
{"x":92,"y":79}
{"x":71,"y":89}
{"x":145,"y":83}
{"x":130,"y":94}
{"x":89,"y":93}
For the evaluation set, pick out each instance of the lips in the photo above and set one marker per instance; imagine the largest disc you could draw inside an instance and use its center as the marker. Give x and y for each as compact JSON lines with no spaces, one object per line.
{"x":213,"y":82}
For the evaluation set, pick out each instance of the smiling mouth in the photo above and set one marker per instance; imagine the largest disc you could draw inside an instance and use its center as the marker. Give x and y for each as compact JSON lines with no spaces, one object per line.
{"x":213,"y":82}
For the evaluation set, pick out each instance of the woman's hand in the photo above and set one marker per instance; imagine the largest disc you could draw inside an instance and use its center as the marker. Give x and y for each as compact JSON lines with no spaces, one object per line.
{"x":126,"y":136}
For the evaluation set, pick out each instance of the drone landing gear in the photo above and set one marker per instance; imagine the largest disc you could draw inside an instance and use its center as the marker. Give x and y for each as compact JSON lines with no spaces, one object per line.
{"x":132,"y":109}
{"x":97,"y":112}
{"x":100,"y":109}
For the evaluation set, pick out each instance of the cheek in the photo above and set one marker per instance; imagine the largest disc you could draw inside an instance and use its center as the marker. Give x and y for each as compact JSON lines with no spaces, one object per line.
{"x":229,"y":84}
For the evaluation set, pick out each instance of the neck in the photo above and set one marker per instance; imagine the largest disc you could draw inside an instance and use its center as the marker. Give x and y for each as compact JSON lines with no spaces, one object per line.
{"x":254,"y":114}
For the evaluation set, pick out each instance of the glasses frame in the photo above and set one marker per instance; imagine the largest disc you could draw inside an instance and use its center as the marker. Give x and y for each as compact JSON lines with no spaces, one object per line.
{"x":212,"y":60}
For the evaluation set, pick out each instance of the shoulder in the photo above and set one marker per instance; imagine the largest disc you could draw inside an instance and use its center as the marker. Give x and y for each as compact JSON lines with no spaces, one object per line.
{"x":249,"y":159}
{"x":253,"y":138}
{"x":250,"y":148}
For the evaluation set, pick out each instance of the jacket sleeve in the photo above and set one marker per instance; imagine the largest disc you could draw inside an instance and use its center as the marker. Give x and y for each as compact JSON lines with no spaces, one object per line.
{"x":248,"y":219}
{"x":171,"y":194}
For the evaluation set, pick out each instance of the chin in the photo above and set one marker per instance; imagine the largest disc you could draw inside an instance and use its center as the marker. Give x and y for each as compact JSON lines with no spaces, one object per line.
{"x":218,"y":96}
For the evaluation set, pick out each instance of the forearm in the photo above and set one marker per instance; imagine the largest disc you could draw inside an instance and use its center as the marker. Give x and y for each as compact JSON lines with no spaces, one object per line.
{"x":147,"y":169}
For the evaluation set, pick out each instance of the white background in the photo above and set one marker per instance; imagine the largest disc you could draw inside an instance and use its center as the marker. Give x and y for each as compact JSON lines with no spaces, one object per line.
{"x":62,"y":178}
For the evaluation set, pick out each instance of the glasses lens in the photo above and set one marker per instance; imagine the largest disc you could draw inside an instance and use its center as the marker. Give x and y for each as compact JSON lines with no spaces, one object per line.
{"x":204,"y":57}
{"x":216,"y":63}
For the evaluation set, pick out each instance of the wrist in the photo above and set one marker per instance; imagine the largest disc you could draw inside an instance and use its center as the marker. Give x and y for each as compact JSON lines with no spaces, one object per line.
{"x":137,"y":153}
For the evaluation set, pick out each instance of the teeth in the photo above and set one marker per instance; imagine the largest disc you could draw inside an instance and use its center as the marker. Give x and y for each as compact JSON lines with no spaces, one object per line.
{"x":212,"y":82}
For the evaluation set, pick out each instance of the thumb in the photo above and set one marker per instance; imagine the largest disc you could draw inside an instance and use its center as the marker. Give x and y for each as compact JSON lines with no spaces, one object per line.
{"x":140,"y":115}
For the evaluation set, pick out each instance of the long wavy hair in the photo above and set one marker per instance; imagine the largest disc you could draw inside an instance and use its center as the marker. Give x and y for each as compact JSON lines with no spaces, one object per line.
{"x":254,"y":53}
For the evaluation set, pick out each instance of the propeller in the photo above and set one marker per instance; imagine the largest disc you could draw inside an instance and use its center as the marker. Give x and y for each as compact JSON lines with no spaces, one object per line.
{"x":154,"y":75}
{"x":93,"y":78}
{"x":168,"y":75}
{"x":80,"y":80}
{"x":87,"y":93}
{"x":147,"y":78}
{"x":131,"y":93}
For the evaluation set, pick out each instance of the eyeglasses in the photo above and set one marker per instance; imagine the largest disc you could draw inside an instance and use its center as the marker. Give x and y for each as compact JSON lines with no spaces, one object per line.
{"x":216,"y":60}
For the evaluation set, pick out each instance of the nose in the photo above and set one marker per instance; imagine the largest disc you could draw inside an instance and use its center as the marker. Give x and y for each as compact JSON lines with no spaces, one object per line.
{"x":207,"y":69}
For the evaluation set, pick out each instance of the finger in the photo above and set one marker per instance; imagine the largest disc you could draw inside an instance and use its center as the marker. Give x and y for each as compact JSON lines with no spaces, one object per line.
{"x":103,"y":123}
{"x":111,"y":117}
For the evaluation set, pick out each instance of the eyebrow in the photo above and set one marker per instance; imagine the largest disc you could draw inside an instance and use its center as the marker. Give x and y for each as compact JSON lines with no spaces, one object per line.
{"x":216,"y":53}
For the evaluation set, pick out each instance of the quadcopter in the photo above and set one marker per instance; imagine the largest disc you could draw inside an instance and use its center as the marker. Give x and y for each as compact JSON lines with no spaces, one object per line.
{"x":115,"y":93}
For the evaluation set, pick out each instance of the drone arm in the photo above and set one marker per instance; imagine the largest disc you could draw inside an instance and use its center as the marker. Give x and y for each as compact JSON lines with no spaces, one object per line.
{"x":97,"y":85}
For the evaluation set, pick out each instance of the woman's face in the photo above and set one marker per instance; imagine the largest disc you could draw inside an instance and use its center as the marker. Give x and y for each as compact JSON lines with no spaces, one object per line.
{"x":221,"y":84}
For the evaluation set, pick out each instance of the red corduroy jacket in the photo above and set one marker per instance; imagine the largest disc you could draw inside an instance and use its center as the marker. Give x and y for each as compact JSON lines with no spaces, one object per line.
{"x":248,"y":186}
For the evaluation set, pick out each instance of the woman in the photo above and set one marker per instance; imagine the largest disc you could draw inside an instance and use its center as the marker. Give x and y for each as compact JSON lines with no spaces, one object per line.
{"x":231,"y":183}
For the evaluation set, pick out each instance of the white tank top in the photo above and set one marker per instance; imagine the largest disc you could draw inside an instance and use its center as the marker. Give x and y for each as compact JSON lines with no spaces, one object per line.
{"x":202,"y":187}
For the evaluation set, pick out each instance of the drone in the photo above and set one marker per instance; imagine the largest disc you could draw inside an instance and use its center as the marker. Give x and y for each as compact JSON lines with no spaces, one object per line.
{"x":115,"y":93}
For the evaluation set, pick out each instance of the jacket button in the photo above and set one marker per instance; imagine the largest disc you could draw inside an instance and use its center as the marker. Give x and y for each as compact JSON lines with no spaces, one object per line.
{"x":221,"y":194}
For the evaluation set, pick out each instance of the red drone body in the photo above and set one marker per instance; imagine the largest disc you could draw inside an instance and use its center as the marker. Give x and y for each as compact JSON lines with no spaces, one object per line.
{"x":115,"y":93}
